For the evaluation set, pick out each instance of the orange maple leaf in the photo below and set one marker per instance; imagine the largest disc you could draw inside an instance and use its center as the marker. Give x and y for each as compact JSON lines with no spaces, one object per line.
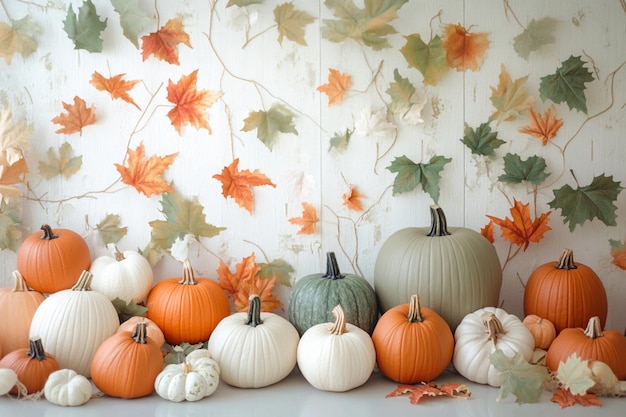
{"x":464,"y":50}
{"x":190,"y":104}
{"x":245,"y":282}
{"x":162,"y":43}
{"x":307,"y":221}
{"x":335,"y":89}
{"x":564,"y":398}
{"x":521,"y":229}
{"x":487,"y":231}
{"x":144,"y":175}
{"x":236,"y":184}
{"x":11,"y":174}
{"x":544,"y":128}
{"x":77,"y":117}
{"x":619,"y":257}
{"x":351,"y":199}
{"x":430,"y":389}
{"x":115,"y":86}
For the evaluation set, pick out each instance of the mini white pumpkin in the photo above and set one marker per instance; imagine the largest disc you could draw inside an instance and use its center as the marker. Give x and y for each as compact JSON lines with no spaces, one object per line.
{"x":254,"y":349}
{"x":125,"y":275}
{"x":67,"y":388}
{"x":192,"y":380}
{"x":336,"y":356}
{"x":8,"y":379}
{"x":483,"y":332}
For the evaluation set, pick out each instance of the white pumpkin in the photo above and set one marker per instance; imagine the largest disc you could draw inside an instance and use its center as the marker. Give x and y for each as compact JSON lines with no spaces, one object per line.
{"x":483,"y":332}
{"x":126,"y":275}
{"x":196,"y":378}
{"x":73,"y":323}
{"x":67,"y":388}
{"x":8,"y":379}
{"x":336,"y":356}
{"x":254,"y":349}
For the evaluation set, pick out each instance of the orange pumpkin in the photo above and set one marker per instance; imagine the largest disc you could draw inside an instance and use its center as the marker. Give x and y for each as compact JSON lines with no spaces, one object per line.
{"x":187,"y":309}
{"x":152,"y":330}
{"x":51,"y":261}
{"x":590,"y":343}
{"x":413,"y":343}
{"x":543,"y":330}
{"x":566,"y":293}
{"x":32,"y":366}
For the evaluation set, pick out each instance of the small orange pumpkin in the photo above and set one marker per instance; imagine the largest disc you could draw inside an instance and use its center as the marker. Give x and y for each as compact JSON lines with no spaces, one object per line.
{"x":153,"y":331}
{"x":543,"y":330}
{"x":31,"y":365}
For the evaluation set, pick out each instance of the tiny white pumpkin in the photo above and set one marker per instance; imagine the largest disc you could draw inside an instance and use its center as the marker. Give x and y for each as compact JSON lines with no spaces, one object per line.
{"x":67,"y":388}
{"x":8,"y":379}
{"x":336,"y":356}
{"x":483,"y":332}
{"x":192,"y":380}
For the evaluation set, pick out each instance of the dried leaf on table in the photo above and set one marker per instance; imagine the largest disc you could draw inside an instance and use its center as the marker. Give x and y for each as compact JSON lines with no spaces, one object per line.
{"x":564,"y":398}
{"x":430,"y":389}
{"x":518,"y":377}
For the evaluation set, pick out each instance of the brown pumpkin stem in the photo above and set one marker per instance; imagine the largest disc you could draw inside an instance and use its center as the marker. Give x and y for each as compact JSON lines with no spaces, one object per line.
{"x":438,"y":223}
{"x":415,"y":310}
{"x":339,"y":326}
{"x":119,"y":255}
{"x":36,"y":349}
{"x":20,"y":284}
{"x":567,"y":260}
{"x":493,"y":326}
{"x":332,"y":268}
{"x":188,"y":275}
{"x":84,"y":282}
{"x":141,"y":333}
{"x":48,"y":234}
{"x":254,"y":311}
{"x":594,"y":328}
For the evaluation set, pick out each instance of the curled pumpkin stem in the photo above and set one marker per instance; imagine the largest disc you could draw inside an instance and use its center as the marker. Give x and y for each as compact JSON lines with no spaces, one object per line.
{"x":339,"y":326}
{"x":493,"y":326}
{"x":594,"y":328}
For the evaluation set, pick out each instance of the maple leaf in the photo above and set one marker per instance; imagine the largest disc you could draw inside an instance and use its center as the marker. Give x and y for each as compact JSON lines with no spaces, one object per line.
{"x":565,"y":399}
{"x":236,"y":184}
{"x":618,"y":252}
{"x":428,"y":58}
{"x":65,"y":164}
{"x":277,"y":268}
{"x":162,"y":43}
{"x":278,"y":119}
{"x":518,"y":377}
{"x":509,"y":98}
{"x":537,"y":34}
{"x":115,"y":86}
{"x":405,"y":100}
{"x":291,"y":23}
{"x":522,"y":229}
{"x":373,"y":123}
{"x":307,"y":220}
{"x":18,"y":38}
{"x":145,"y":175}
{"x":351,"y":199}
{"x":302,"y":182}
{"x":464,"y":50}
{"x":543,"y":127}
{"x":517,"y":170}
{"x":77,"y":117}
{"x":109,"y":229}
{"x":11,"y":174}
{"x":430,"y":389}
{"x":13,"y":136}
{"x":190,"y":103}
{"x":482,"y":141}
{"x":595,"y":200}
{"x":567,"y":84}
{"x":487,"y":231}
{"x":132,"y":19}
{"x":335,"y":89}
{"x":410,"y":175}
{"x":126,"y":310}
{"x":340,"y":140}
{"x":84,"y":30}
{"x":574,"y":375}
{"x":10,"y":233}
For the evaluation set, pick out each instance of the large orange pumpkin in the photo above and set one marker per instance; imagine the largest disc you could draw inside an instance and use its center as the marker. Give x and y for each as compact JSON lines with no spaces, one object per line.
{"x":187,"y":309}
{"x":31,"y":365}
{"x":51,"y":261}
{"x":566,"y":293}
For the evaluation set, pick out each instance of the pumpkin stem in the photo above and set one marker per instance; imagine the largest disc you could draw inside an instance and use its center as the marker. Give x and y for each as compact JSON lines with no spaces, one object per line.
{"x":339,"y":326}
{"x":493,"y":326}
{"x":254,"y":311}
{"x":594,"y":328}
{"x":567,"y":260}
{"x":332,"y":268}
{"x":415,"y":310}
{"x":118,"y":254}
{"x":141,"y":333}
{"x":438,"y":223}
{"x":48,"y":234}
{"x":36,"y":349}
{"x":188,"y":275}
{"x":84,"y":282}
{"x":20,"y":284}
{"x":187,"y":367}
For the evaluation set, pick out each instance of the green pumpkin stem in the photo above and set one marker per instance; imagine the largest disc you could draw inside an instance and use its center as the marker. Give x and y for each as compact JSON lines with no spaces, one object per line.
{"x":141,"y":333}
{"x":36,"y":349}
{"x":84,"y":282}
{"x":415,"y":310}
{"x":493,"y":326}
{"x":339,"y":326}
{"x":254,"y":311}
{"x":332,"y":268}
{"x":20,"y":284}
{"x":188,"y":277}
{"x":594,"y":328}
{"x":438,"y":223}
{"x":567,"y":260}
{"x":48,"y":234}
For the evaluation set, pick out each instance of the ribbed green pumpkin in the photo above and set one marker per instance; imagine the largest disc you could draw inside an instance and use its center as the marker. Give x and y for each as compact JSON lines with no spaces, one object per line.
{"x":454,"y":270}
{"x":314,"y":296}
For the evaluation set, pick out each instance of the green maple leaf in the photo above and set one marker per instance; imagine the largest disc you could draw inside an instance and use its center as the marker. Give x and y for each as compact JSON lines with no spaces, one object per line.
{"x":65,"y":164}
{"x":127,"y":310}
{"x":243,"y":3}
{"x":429,"y":59}
{"x":537,"y":34}
{"x":109,"y":229}
{"x":567,"y":84}
{"x":518,"y":377}
{"x":482,"y":141}
{"x":410,"y":175}
{"x":400,"y":90}
{"x":132,"y":19}
{"x":269,"y":124}
{"x":277,"y":268}
{"x":85,"y":28}
{"x":588,"y":202}
{"x":369,"y":25}
{"x":182,"y":217}
{"x":10,"y":222}
{"x":177,"y":354}
{"x":291,"y":23}
{"x":18,"y":38}
{"x":517,"y":170}
{"x":340,"y":141}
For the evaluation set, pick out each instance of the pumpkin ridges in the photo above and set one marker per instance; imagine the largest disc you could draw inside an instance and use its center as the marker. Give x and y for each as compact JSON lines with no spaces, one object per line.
{"x":32,"y":366}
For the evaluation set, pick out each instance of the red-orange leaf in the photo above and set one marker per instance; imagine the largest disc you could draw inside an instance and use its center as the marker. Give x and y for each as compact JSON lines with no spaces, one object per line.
{"x":430,"y":389}
{"x":162,"y":43}
{"x":115,"y":86}
{"x":77,"y":117}
{"x":335,"y":89}
{"x":618,"y":252}
{"x":351,"y":199}
{"x":190,"y":104}
{"x":564,"y":398}
{"x":543,"y":127}
{"x":522,"y":229}
{"x":145,"y":175}
{"x":487,"y":231}
{"x":307,"y":221}
{"x":236,"y":184}
{"x":464,"y":50}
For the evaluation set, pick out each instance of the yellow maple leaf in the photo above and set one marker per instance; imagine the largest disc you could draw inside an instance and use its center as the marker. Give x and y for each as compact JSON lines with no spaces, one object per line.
{"x":351,"y":199}
{"x":307,"y":221}
{"x":78,"y":116}
{"x":464,"y":50}
{"x":236,"y":184}
{"x":145,"y":175}
{"x":522,"y":229}
{"x":335,"y":89}
{"x":115,"y":86}
{"x":543,"y":127}
{"x":162,"y":43}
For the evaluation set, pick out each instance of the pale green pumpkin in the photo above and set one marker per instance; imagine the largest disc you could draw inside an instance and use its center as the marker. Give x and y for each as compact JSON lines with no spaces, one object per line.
{"x":455,"y":270}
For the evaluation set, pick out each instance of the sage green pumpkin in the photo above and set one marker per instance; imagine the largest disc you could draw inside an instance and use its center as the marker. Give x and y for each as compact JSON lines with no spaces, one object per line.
{"x":455,"y":270}
{"x":314,"y":296}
